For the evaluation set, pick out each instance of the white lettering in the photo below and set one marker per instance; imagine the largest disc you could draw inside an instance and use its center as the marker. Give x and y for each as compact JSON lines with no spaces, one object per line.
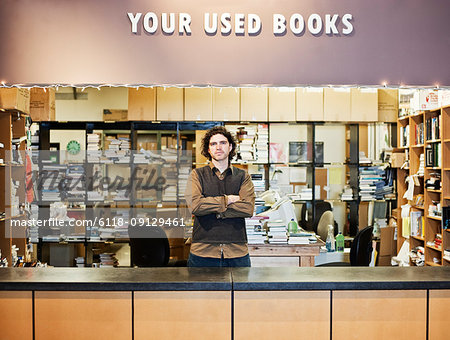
{"x":348,"y":25}
{"x":134,"y":21}
{"x":317,"y":27}
{"x":184,"y":23}
{"x":225,"y":19}
{"x":211,"y":28}
{"x":279,"y":24}
{"x":330,"y":24}
{"x":168,"y":26}
{"x":297,"y":28}
{"x":254,"y":24}
{"x":239,"y":20}
{"x":154,"y":19}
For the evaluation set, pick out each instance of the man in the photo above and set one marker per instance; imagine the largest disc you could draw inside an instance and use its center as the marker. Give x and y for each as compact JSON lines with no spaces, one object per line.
{"x":219,"y":196}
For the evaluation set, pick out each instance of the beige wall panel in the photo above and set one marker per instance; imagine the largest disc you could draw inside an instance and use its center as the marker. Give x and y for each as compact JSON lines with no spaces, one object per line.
{"x":364,"y":105}
{"x":182,"y":315}
{"x":226,"y":104}
{"x":16,"y":315}
{"x":336,"y":105}
{"x":379,"y":314}
{"x":309,"y":104}
{"x":198,"y":104}
{"x":254,"y":104}
{"x":83,"y":315}
{"x":142,"y":103}
{"x":438,"y":317}
{"x":282,"y":104}
{"x":282,"y":315}
{"x":169,"y":103}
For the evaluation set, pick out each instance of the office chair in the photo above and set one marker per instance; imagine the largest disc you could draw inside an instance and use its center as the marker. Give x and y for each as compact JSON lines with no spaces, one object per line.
{"x":360,"y":252}
{"x":322,"y":227}
{"x":321,"y":209}
{"x":149,"y":248}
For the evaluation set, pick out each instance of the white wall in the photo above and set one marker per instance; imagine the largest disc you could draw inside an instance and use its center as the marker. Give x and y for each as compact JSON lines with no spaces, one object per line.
{"x":92,"y":108}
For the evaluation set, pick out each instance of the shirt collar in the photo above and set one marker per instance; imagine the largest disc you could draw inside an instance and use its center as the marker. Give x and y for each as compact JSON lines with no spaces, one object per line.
{"x":213,"y":168}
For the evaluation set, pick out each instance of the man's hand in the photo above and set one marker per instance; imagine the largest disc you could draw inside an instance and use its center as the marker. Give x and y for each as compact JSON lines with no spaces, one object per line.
{"x":232,"y":198}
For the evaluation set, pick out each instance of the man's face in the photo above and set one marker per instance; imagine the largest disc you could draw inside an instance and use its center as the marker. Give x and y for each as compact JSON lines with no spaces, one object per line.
{"x":219,"y":148}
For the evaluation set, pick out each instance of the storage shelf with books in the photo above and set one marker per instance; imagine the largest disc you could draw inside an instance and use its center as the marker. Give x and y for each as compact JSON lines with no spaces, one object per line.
{"x":13,"y":192}
{"x":445,"y":137}
{"x":434,"y":155}
{"x":423,"y":137}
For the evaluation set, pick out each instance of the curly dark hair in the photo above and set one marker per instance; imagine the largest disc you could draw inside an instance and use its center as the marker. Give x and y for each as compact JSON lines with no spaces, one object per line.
{"x":214,"y":131}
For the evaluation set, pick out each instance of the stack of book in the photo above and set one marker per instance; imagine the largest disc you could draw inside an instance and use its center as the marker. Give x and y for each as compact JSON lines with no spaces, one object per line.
{"x":183,"y":176}
{"x":121,"y":228}
{"x":347,"y":194}
{"x":34,"y":229}
{"x":262,"y":144}
{"x":372,"y":185}
{"x":258,"y":182}
{"x":417,"y":256}
{"x":75,"y":183}
{"x":93,"y":148}
{"x":108,"y":260}
{"x":255,"y":231}
{"x":95,"y":196}
{"x":121,"y":195}
{"x":79,"y":261}
{"x":277,"y":232}
{"x":301,"y":238}
{"x":305,"y":194}
{"x":170,"y":175}
{"x":139,"y":157}
{"x":54,"y":175}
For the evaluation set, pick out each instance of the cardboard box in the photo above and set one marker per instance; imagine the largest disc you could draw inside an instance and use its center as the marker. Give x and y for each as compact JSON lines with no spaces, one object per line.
{"x":388,"y":246}
{"x":42,"y":105}
{"x":337,"y":104}
{"x":198,"y":104}
{"x":151,"y":146}
{"x":115,"y":115}
{"x":387,"y":105}
{"x":397,"y":159}
{"x":426,"y":100}
{"x":170,"y":104}
{"x":384,"y":261}
{"x":282,"y":104}
{"x":15,"y":99}
{"x":199,"y":158}
{"x":254,"y":104}
{"x":142,"y":104}
{"x":226,"y":104}
{"x":309,"y":104}
{"x":364,"y":105}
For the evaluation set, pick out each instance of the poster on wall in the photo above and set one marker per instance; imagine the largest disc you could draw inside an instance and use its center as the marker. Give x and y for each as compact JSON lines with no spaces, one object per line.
{"x":299,"y":152}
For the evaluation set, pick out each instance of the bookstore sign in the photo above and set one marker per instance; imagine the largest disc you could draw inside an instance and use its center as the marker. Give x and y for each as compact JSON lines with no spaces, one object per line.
{"x":283,"y":43}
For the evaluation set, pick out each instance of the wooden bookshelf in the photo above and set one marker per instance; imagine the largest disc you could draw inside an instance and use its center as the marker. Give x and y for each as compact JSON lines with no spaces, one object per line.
{"x":436,"y":136}
{"x":12,"y":127}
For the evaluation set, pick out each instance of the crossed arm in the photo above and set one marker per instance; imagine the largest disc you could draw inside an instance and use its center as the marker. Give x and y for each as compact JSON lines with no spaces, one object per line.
{"x":225,"y":206}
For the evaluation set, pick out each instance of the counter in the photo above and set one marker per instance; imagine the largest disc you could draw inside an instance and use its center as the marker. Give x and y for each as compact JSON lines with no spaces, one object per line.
{"x":213,"y":303}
